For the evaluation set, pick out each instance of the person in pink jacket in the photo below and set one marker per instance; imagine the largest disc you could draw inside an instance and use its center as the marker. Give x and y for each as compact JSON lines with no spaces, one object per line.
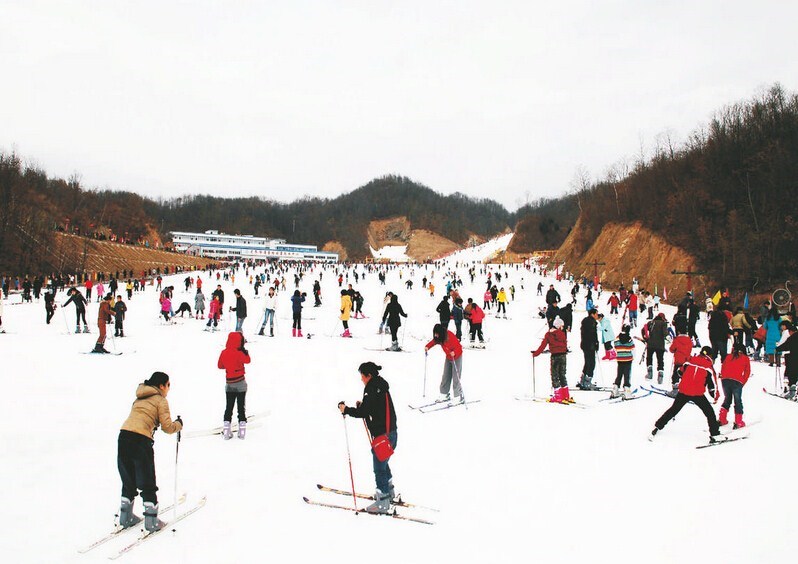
{"x":214,"y":310}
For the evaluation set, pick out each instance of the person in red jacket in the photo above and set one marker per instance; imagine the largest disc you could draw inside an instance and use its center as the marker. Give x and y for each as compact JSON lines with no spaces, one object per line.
{"x":557,"y":341}
{"x":232,"y":361}
{"x":734,"y":373}
{"x":682,"y":348}
{"x":698,"y":374}
{"x":477,"y":315}
{"x":452,"y":366}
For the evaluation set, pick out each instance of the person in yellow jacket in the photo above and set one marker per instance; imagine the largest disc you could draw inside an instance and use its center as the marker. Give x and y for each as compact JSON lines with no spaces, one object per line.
{"x":346,"y":309}
{"x":501,"y":297}
{"x":135,"y":457}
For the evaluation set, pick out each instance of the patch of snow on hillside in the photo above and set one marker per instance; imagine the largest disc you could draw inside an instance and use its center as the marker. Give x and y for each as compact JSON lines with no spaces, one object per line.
{"x":481,"y":252}
{"x":396,"y":253}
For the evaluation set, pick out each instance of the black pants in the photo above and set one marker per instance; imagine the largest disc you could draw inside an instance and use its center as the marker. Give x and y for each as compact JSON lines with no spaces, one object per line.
{"x":590,"y":362}
{"x":476,"y":331}
{"x":118,"y":328}
{"x":50,"y":314}
{"x":136,"y":463}
{"x":394,"y":331}
{"x":719,"y":346}
{"x":297,"y":320}
{"x":80,"y":314}
{"x":235,"y":398}
{"x":660,"y":354}
{"x":681,"y":400}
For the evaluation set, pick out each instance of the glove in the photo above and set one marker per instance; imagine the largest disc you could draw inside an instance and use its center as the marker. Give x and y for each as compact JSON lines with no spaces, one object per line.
{"x":535,"y":353}
{"x":243,"y":350}
{"x":717,"y":395}
{"x":179,"y":420}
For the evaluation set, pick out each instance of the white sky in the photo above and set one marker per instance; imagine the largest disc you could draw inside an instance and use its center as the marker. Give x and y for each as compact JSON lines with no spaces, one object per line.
{"x":284,"y":99}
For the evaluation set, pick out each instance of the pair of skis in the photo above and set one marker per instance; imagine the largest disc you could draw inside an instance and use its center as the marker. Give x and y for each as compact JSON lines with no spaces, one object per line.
{"x":144,"y":536}
{"x":547,"y":400}
{"x":253,"y":421}
{"x":440,"y":406}
{"x":392,"y":513}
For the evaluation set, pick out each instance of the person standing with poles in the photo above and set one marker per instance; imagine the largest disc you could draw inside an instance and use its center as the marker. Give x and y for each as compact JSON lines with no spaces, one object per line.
{"x":77,"y":298}
{"x":104,"y":316}
{"x":232,"y":360}
{"x":377,"y":410}
{"x":135,"y":457}
{"x":557,"y":341}
{"x":392,"y":319}
{"x":452,"y":366}
{"x":589,"y":346}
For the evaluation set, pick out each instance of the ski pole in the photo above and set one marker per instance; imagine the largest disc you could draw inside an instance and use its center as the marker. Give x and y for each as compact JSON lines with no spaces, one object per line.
{"x":177,"y":452}
{"x":457,"y":375}
{"x":424,"y":389}
{"x":66,"y":323}
{"x":534,"y":379}
{"x":349,"y":458}
{"x":404,"y":332}
{"x":600,"y":372}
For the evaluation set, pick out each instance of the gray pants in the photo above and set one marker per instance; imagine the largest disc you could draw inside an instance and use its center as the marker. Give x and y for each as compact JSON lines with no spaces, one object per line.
{"x":449,"y":375}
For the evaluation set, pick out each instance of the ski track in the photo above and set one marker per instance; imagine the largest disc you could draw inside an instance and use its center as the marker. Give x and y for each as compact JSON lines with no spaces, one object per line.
{"x":513,"y":480}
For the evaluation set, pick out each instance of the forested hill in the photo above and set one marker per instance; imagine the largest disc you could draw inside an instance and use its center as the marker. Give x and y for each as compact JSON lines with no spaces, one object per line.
{"x":344,"y":219}
{"x":728,"y":195}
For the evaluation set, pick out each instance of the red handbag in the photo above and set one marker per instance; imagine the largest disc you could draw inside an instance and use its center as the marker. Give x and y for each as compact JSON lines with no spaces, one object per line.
{"x":382,"y":445}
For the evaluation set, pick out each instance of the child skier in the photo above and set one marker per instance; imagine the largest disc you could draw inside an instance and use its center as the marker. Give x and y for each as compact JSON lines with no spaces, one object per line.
{"x":119,"y":310}
{"x":624,"y":354}
{"x":557,"y":341}
{"x":214,"y":310}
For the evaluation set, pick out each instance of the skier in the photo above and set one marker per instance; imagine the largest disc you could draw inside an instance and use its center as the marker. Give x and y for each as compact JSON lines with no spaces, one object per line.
{"x":589,"y":345}
{"x":232,"y":361}
{"x":444,"y":312}
{"x":613,"y":303}
{"x":476,"y":316}
{"x":457,"y":316}
{"x":681,"y":347}
{"x":607,"y":336}
{"x":452,"y":366}
{"x":719,"y":333}
{"x":104,"y":316}
{"x":77,"y":298}
{"x":655,"y":346}
{"x":135,"y":457}
{"x":269,"y":307}
{"x":346,"y":309}
{"x":501,"y":297}
{"x":119,"y":317}
{"x":557,"y":341}
{"x":296,"y":309}
{"x":392,"y":319}
{"x":698,"y":376}
{"x":377,"y":409}
{"x":624,"y":349}
{"x":317,"y":293}
{"x":773,"y":335}
{"x":734,"y":373}
{"x":183,"y":309}
{"x":49,"y":306}
{"x":213,"y":313}
{"x":240,"y":309}
{"x":199,"y":304}
{"x":790,"y":345}
{"x":552,"y":296}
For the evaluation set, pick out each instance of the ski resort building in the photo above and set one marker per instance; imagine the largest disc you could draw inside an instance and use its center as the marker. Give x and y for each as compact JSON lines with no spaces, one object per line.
{"x":220,"y":246}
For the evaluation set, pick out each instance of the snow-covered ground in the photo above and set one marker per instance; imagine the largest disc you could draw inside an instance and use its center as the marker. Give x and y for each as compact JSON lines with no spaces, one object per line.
{"x":396,"y":253}
{"x":515,"y":481}
{"x":481,"y":252}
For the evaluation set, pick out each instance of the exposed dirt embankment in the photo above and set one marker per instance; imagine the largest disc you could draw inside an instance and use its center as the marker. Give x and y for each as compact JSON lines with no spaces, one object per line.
{"x":336,"y":247}
{"x":421,"y":244}
{"x":104,"y":256}
{"x":631,"y":250}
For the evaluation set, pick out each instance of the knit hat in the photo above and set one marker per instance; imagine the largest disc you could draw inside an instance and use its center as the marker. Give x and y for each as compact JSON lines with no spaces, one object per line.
{"x":558,"y":323}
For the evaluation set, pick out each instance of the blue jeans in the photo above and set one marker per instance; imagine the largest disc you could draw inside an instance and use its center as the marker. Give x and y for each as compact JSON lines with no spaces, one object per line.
{"x":239,"y":323}
{"x":268,"y":317}
{"x":382,"y":472}
{"x":732,"y":390}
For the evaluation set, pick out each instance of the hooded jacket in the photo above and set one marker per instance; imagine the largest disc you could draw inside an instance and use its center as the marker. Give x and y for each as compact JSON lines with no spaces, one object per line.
{"x":451,"y":346}
{"x":698,"y":372}
{"x":556,"y":339}
{"x":149,"y":411}
{"x":233,"y":358}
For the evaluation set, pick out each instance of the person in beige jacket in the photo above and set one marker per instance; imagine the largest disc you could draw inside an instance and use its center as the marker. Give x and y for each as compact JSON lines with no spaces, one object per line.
{"x":135,"y":458}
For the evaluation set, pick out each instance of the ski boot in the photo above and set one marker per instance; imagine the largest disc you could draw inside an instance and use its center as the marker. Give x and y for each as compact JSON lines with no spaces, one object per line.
{"x":261,"y":332}
{"x":443,"y":398}
{"x":382,"y":503}
{"x":627,"y":393}
{"x":660,"y":376}
{"x":242,"y":429}
{"x":77,"y":329}
{"x":649,"y":373}
{"x":151,"y":521}
{"x":458,"y":400}
{"x":126,"y":516}
{"x":556,"y":397}
{"x":653,"y":434}
{"x":85,"y":328}
{"x":299,"y":332}
{"x":723,"y":417}
{"x":293,"y":332}
{"x":226,"y":433}
{"x":565,"y":395}
{"x":791,"y":393}
{"x":738,"y":421}
{"x":615,"y":393}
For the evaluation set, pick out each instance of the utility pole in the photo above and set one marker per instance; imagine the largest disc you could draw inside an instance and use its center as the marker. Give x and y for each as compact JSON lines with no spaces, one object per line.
{"x":689,"y":273}
{"x":595,"y":271}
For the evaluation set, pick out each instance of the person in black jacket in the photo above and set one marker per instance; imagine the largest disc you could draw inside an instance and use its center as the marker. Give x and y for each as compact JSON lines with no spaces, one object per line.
{"x":790,"y":345}
{"x":392,"y":319}
{"x":444,"y":312}
{"x":590,"y":345}
{"x":77,"y":298}
{"x":552,"y":296}
{"x":655,"y":346}
{"x":719,"y":332}
{"x":375,"y":407}
{"x":240,"y":309}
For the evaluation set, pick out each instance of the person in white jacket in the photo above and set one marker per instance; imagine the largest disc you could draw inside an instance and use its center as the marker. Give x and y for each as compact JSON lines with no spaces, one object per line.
{"x":269,"y":307}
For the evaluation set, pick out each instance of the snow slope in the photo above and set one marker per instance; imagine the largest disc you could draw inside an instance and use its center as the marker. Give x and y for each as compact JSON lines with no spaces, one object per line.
{"x":396,"y":253}
{"x":481,"y":252}
{"x":514,"y":481}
